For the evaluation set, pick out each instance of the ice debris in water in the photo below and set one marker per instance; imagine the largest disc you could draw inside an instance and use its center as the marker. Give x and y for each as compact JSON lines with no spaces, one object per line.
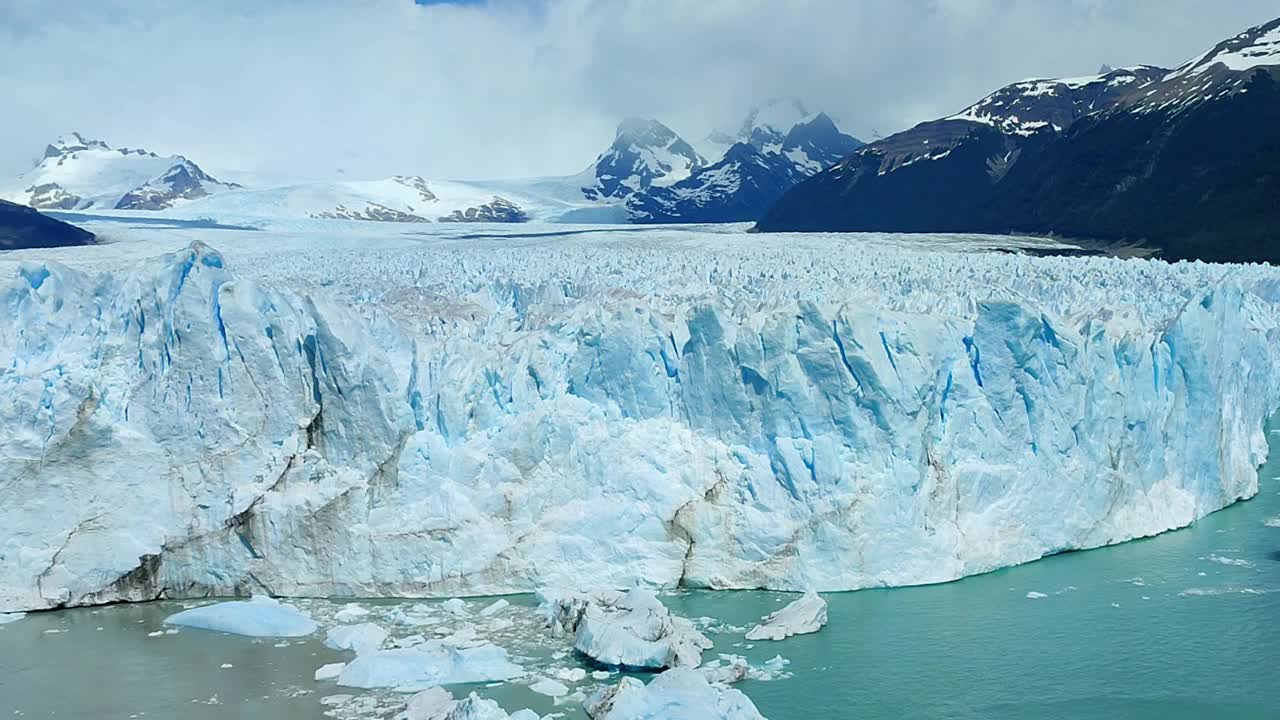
{"x":1272,"y":522}
{"x":1033,"y":595}
{"x":495,"y":608}
{"x":350,"y":613}
{"x":1222,"y":560}
{"x":549,"y":687}
{"x":677,"y":694}
{"x":258,"y":617}
{"x":361,"y":638}
{"x":11,"y":617}
{"x":329,"y":671}
{"x":806,"y":615}
{"x":427,"y":665}
{"x":438,"y":704}
{"x":632,"y":629}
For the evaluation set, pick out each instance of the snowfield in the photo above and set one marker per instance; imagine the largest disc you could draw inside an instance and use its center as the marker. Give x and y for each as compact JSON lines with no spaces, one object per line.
{"x":323,"y":409}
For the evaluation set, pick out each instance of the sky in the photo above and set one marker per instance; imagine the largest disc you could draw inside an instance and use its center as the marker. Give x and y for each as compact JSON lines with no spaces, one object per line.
{"x":478,"y":89}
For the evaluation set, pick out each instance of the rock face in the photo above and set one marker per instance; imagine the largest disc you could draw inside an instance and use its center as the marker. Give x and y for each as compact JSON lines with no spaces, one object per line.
{"x":77,"y":174}
{"x":1179,"y":161}
{"x":752,"y":174}
{"x":23,"y":227}
{"x":695,"y":412}
{"x":498,"y":210}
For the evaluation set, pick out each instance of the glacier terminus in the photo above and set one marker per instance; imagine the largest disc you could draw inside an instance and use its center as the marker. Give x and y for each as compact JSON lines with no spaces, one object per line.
{"x":442,"y":413}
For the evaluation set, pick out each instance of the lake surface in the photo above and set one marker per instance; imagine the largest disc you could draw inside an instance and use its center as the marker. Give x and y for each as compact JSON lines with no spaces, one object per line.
{"x":1184,"y":625}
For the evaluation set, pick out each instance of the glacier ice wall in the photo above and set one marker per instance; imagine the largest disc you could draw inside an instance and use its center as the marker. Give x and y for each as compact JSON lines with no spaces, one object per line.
{"x":471,"y":421}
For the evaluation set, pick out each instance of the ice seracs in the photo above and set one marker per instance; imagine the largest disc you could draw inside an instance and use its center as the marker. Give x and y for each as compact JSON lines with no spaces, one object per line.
{"x":665,"y":407}
{"x":679,"y":694}
{"x":633,"y":630}
{"x":806,"y":615}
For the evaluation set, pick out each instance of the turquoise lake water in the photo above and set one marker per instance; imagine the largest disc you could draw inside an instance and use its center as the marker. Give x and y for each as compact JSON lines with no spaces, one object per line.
{"x":1184,"y":625}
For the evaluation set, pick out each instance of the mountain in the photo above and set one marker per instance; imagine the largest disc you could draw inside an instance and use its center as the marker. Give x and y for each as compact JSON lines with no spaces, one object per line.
{"x":929,"y":177}
{"x":24,"y":227}
{"x":752,"y":174}
{"x":1183,"y":162}
{"x":644,"y":153}
{"x":400,"y":198}
{"x":78,"y":174}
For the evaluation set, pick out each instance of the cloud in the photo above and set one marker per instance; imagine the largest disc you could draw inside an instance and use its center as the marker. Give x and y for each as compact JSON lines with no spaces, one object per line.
{"x":532,"y":87}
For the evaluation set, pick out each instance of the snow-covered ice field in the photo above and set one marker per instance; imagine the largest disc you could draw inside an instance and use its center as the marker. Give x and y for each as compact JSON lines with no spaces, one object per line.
{"x":351,"y":409}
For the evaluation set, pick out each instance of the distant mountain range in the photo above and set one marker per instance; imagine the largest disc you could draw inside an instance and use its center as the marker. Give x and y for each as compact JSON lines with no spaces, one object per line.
{"x":1183,"y":161}
{"x":661,"y":178}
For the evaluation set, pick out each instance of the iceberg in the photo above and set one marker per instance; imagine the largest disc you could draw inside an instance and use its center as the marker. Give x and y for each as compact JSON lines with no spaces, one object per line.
{"x":329,"y":671}
{"x":361,"y":638}
{"x":429,"y":665}
{"x":680,"y":694}
{"x":259,"y":617}
{"x":308,"y":416}
{"x":633,"y":630}
{"x":438,"y":704}
{"x":806,"y":615}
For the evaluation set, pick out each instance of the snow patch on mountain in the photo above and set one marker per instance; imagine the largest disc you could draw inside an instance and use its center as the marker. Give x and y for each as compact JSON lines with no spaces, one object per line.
{"x":78,"y":174}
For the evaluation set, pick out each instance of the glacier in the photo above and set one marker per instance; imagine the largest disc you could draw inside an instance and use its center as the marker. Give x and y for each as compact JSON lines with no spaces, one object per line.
{"x":477,"y":412}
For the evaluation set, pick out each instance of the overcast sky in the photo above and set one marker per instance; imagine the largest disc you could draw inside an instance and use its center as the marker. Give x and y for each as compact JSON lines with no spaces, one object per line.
{"x":509,"y":88}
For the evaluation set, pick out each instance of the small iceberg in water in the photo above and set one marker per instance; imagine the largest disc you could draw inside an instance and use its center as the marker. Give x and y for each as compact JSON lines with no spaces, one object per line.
{"x":258,"y":617}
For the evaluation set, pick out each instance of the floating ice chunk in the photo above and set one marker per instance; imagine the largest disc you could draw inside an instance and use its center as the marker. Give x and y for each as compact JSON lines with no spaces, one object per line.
{"x":350,"y":613}
{"x":428,"y":665}
{"x":361,"y":638}
{"x":259,"y":617}
{"x":806,"y":615}
{"x":455,"y":607}
{"x":475,"y":707}
{"x":631,"y":630}
{"x":330,"y":671}
{"x":1033,"y":595}
{"x":728,"y":670}
{"x":495,"y":608}
{"x":430,"y":704}
{"x":572,"y":674}
{"x":1235,"y":562}
{"x":226,"y":666}
{"x":6,"y":618}
{"x":600,"y":674}
{"x":549,"y":687}
{"x":1272,"y":522}
{"x":679,"y":694}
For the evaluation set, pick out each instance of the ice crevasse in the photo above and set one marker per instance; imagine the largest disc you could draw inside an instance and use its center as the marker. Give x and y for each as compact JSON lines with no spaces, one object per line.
{"x":490,"y":424}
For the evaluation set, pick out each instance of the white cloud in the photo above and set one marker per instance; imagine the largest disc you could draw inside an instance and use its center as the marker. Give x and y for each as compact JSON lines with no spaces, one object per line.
{"x":520,"y":87}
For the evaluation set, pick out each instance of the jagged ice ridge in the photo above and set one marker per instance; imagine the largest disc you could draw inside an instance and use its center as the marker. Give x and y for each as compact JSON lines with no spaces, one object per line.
{"x":669,"y":408}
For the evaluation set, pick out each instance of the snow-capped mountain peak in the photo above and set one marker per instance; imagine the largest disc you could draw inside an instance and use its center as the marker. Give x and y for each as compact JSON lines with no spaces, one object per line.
{"x":644,"y":153}
{"x":1255,"y":47}
{"x":1027,"y":107}
{"x":77,"y":173}
{"x":766,"y":125}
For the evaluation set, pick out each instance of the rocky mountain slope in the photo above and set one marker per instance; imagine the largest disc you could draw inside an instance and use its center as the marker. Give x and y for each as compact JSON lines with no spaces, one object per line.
{"x":753,"y":173}
{"x":22,"y":227}
{"x":1182,"y":161}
